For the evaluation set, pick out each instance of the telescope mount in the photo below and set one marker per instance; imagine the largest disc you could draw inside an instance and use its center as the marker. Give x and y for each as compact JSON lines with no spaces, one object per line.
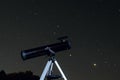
{"x":47,"y":72}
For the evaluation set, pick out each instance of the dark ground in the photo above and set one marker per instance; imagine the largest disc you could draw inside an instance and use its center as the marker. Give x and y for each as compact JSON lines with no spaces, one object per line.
{"x":28,"y":75}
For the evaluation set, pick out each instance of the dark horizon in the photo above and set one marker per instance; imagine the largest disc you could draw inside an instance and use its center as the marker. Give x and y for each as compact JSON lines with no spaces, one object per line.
{"x":28,"y":75}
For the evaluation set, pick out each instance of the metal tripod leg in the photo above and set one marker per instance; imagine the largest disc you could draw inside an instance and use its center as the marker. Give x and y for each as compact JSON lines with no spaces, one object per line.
{"x":63,"y":75}
{"x":46,"y":69}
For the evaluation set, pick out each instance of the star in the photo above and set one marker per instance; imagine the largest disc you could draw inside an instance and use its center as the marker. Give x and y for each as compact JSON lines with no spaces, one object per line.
{"x":105,"y":62}
{"x":70,"y":55}
{"x":94,"y":64}
{"x":35,"y":13}
{"x":58,"y":26}
{"x":54,"y":33}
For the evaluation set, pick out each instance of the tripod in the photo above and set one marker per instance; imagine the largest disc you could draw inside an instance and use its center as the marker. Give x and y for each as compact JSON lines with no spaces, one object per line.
{"x":47,"y":72}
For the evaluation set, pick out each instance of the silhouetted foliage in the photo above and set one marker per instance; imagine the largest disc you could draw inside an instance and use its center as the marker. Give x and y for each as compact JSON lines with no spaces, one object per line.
{"x":28,"y":75}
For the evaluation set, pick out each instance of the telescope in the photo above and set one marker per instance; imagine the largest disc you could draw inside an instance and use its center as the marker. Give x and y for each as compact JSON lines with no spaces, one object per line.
{"x":49,"y":50}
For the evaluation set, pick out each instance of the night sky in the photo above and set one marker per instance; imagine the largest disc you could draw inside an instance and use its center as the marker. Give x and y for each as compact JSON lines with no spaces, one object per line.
{"x":93,"y":26}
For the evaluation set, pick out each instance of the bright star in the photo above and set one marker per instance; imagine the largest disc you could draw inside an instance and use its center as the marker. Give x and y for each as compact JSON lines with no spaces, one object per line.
{"x":94,"y":64}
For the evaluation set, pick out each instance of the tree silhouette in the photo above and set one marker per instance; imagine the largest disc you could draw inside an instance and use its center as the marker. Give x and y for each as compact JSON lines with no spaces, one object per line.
{"x":28,"y":75}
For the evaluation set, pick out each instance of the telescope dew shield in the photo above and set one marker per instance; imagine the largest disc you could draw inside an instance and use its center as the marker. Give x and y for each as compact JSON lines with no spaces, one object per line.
{"x":40,"y":51}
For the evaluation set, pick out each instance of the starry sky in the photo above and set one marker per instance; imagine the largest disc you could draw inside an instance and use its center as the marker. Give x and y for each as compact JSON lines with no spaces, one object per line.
{"x":91,"y":25}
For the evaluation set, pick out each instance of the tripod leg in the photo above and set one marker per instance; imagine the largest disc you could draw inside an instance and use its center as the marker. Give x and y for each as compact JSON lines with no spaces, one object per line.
{"x":50,"y":70}
{"x":63,"y":75}
{"x":46,"y":69}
